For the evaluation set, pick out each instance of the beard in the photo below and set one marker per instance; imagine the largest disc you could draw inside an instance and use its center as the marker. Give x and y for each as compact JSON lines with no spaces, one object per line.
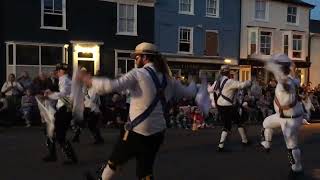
{"x":139,"y":64}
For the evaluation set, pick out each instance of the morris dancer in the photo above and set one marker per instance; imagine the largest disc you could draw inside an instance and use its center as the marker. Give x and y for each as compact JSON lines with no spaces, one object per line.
{"x":63,"y":117}
{"x":91,"y":113}
{"x":289,"y":111}
{"x":224,"y":90}
{"x":150,"y":87}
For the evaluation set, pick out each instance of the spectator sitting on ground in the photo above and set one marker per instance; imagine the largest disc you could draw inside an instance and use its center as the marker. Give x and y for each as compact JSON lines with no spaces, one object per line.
{"x":12,"y":90}
{"x":28,"y":107}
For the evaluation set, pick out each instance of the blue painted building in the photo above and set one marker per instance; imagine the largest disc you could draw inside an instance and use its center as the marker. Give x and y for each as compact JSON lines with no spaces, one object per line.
{"x":198,"y":36}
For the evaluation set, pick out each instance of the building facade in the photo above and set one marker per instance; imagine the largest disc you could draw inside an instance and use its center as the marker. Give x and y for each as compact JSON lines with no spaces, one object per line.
{"x":314,"y":52}
{"x":274,"y":26}
{"x":198,"y":36}
{"x":96,"y":34}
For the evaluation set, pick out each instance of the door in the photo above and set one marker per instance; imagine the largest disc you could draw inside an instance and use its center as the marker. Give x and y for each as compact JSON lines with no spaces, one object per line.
{"x":89,"y":65}
{"x":211,"y":43}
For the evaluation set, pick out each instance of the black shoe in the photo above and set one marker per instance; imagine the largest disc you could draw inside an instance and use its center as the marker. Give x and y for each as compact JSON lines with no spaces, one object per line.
{"x":295,"y":175}
{"x":49,"y":158}
{"x":219,"y":149}
{"x":248,"y":143}
{"x":261,"y":148}
{"x":69,"y":153}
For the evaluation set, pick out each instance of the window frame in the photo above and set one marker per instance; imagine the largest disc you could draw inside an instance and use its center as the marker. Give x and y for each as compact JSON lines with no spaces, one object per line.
{"x":271,"y":41}
{"x":266,"y":19}
{"x":14,"y":65}
{"x":302,"y":46}
{"x":64,"y":18}
{"x":117,"y":58}
{"x":191,"y":12}
{"x":297,"y":15}
{"x":256,"y":31}
{"x":212,"y":15}
{"x":135,"y":13}
{"x":191,"y":40}
{"x":290,"y":40}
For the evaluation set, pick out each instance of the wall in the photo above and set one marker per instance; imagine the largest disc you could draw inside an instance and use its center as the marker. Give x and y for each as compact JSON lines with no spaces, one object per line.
{"x":315,"y":60}
{"x":168,"y":20}
{"x":277,"y":20}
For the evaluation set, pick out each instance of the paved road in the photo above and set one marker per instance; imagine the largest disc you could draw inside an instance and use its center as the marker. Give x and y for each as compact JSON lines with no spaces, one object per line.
{"x":184,"y":156}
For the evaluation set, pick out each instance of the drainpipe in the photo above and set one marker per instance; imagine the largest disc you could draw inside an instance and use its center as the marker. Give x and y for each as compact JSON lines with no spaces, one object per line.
{"x":309,"y":48}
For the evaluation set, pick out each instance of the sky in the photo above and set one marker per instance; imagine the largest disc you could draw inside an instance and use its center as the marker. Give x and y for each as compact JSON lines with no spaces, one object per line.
{"x":315,"y":13}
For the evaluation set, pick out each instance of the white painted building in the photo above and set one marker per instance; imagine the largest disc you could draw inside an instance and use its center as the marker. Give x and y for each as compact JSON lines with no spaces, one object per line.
{"x":274,"y":26}
{"x":315,"y":52}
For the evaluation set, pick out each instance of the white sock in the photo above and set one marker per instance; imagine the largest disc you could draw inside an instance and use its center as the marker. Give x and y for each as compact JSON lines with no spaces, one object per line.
{"x":108,"y":173}
{"x":243,"y":134}
{"x":223,"y":138}
{"x":268,"y":138}
{"x":297,"y":158}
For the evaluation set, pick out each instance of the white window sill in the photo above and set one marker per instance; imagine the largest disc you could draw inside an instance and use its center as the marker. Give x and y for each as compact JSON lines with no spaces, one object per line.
{"x":186,"y":13}
{"x":298,"y":59}
{"x":212,"y":16}
{"x":261,"y":20}
{"x":126,"y":34}
{"x":292,"y":24}
{"x":185,"y":53}
{"x":54,"y":28}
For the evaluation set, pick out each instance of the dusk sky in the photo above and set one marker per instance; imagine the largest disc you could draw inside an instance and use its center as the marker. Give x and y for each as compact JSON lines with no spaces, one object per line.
{"x":315,"y":14}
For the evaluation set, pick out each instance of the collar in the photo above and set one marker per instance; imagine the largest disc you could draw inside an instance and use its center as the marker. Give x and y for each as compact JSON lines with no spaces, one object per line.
{"x":150,"y":64}
{"x":63,"y":77}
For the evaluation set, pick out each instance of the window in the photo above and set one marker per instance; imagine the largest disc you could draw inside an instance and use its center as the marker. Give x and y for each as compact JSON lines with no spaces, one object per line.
{"x":245,"y":73}
{"x":292,"y":15}
{"x":261,"y":9}
{"x":212,"y":8}
{"x":286,"y":44}
{"x":212,"y":44}
{"x":124,"y":63}
{"x":186,"y":6}
{"x":127,"y":19}
{"x":293,"y":44}
{"x":34,"y":58}
{"x":51,"y":55}
{"x":185,"y":40}
{"x":297,"y":46}
{"x":53,"y":14}
{"x":265,"y":42}
{"x":253,"y":42}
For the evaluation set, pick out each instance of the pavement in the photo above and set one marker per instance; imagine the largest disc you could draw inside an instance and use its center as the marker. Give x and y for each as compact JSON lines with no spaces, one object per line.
{"x":185,"y":155}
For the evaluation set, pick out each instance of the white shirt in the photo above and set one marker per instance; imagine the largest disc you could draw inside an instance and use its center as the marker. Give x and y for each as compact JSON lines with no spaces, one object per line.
{"x":287,"y":97}
{"x":228,"y":90}
{"x":64,"y":90}
{"x":14,"y":91}
{"x":142,"y":91}
{"x":91,"y":100}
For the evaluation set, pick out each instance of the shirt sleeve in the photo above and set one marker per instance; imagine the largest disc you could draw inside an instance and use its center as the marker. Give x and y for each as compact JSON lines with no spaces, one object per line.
{"x":238,"y":85}
{"x":4,"y":87}
{"x":181,"y":91}
{"x":125,"y":82}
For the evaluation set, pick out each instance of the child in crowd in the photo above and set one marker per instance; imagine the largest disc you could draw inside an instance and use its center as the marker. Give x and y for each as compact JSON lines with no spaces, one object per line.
{"x":28,"y":105}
